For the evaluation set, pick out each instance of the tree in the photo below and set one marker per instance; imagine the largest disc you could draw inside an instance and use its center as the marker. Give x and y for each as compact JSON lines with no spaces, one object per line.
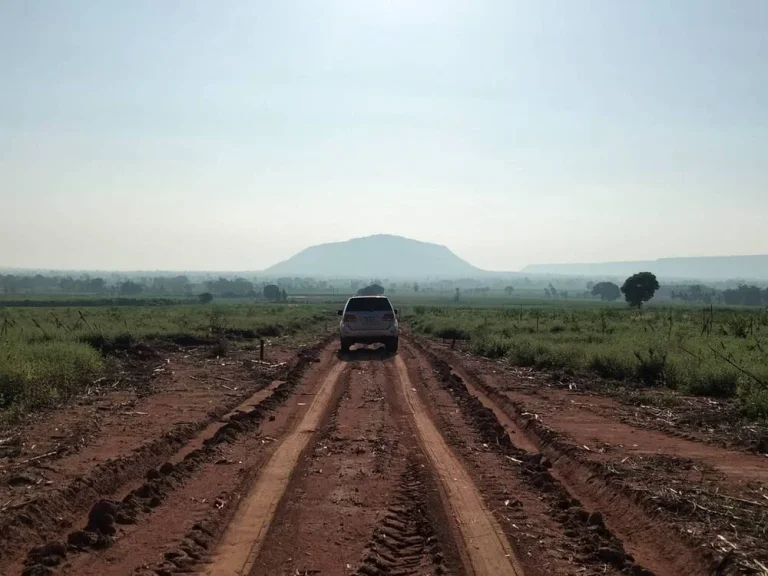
{"x":606,"y":290}
{"x":552,"y":290}
{"x":283,"y":295}
{"x":457,"y":296}
{"x":130,"y":288}
{"x":372,"y":290}
{"x":639,"y":288}
{"x":205,"y":298}
{"x":415,"y":287}
{"x":509,"y":290}
{"x":272,"y":292}
{"x":590,"y":285}
{"x":744,"y":295}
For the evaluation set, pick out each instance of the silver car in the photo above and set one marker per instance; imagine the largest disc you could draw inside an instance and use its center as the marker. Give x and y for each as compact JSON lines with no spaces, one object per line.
{"x":368,"y":320}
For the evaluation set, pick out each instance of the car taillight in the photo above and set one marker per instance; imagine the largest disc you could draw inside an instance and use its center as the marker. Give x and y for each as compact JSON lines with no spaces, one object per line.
{"x":388,"y":318}
{"x":350,"y":318}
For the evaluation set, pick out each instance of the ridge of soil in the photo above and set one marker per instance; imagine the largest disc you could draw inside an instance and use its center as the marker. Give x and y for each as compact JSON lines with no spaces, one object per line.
{"x":100,"y":526}
{"x":690,"y":504}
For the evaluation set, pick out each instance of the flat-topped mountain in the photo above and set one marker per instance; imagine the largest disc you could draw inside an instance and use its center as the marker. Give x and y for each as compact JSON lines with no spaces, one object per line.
{"x":380,"y":256}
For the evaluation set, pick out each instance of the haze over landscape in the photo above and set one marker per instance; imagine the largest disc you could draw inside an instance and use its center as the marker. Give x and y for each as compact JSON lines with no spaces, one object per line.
{"x":422,"y":286}
{"x":231,"y":136}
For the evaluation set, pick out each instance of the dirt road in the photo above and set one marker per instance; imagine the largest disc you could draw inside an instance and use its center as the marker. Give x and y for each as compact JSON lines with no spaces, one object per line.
{"x":427,"y":462}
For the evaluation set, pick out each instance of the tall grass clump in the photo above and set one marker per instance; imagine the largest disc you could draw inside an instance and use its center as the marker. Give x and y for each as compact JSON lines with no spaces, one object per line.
{"x":45,"y":373}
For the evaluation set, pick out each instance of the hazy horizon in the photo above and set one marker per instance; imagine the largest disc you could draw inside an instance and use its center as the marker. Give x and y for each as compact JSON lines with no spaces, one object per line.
{"x":230,"y":136}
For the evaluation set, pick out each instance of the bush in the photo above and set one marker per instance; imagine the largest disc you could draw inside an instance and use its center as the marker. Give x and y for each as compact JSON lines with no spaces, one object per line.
{"x":754,"y":400}
{"x":491,"y":347}
{"x":719,"y":384}
{"x":44,"y":373}
{"x":452,"y":333}
{"x":652,"y":368}
{"x":611,"y":366}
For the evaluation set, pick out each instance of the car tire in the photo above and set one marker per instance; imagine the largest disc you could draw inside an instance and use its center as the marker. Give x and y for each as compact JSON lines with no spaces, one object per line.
{"x":392,"y":345}
{"x":345,"y":345}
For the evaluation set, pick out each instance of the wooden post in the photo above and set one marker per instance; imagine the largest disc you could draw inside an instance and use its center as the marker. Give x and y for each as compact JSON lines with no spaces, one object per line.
{"x":261,"y":349}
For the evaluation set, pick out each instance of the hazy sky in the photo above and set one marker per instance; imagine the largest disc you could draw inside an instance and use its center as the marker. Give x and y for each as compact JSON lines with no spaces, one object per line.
{"x":228,"y":135}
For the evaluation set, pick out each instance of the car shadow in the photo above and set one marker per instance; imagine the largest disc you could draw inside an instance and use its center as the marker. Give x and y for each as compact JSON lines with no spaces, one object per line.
{"x":365,"y":353}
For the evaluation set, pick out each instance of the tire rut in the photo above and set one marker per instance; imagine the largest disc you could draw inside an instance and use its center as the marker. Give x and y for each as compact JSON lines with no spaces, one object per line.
{"x":589,"y":529}
{"x":105,"y":516}
{"x":404,"y":542}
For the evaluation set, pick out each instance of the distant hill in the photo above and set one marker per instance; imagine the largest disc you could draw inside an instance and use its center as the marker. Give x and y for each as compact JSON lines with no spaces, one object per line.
{"x":699,"y":268}
{"x":381,"y":256}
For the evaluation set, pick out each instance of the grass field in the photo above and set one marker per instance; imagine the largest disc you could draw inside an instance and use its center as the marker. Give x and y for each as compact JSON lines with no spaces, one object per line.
{"x":49,"y":354}
{"x":713,"y":352}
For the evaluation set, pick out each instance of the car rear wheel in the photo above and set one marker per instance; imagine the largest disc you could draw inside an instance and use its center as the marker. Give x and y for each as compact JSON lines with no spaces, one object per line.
{"x":345,"y":345}
{"x":392,"y":345}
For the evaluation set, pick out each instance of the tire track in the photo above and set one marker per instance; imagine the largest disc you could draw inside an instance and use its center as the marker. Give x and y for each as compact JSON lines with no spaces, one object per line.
{"x":487,"y":548}
{"x":245,"y":534}
{"x":404,"y":543}
{"x":658,"y":549}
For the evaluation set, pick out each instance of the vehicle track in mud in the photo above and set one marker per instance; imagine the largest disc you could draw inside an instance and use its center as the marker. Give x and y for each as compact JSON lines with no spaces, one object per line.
{"x":123,"y":508}
{"x":680,"y":507}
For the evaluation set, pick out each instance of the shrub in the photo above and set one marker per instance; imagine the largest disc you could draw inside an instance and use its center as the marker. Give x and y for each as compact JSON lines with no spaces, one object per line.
{"x":611,"y":366}
{"x":652,"y":369}
{"x":44,"y":373}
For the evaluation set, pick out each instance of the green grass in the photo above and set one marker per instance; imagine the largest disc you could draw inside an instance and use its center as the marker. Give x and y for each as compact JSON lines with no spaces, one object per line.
{"x":49,"y":354}
{"x":720,"y":353}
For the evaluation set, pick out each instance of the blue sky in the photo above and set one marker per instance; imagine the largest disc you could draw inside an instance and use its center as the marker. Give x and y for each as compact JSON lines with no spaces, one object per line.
{"x":228,"y":135}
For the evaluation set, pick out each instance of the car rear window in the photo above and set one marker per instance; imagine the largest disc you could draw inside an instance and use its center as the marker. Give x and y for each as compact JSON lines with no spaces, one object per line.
{"x":369,"y":305}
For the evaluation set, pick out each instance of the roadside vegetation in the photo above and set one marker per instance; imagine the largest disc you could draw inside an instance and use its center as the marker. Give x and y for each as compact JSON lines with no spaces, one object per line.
{"x":716,"y":352}
{"x":50,"y":354}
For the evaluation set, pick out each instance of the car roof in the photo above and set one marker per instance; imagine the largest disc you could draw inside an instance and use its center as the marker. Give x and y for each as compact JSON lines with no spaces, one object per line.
{"x":371,"y":296}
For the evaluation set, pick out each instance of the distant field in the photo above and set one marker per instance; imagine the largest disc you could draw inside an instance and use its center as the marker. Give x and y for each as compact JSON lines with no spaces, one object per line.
{"x":48,"y":354}
{"x":718,"y":352}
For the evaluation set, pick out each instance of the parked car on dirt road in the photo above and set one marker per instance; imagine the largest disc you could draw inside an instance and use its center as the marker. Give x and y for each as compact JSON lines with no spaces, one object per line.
{"x":368,"y":320}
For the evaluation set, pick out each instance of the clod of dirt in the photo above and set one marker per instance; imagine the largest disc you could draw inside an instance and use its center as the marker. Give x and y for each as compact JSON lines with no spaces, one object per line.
{"x":21,"y":480}
{"x":126,"y":517}
{"x":596,"y":519}
{"x":83,"y":540}
{"x":101,"y":518}
{"x":166,"y":468}
{"x":611,"y":555}
{"x":50,"y":554}
{"x":153,"y":474}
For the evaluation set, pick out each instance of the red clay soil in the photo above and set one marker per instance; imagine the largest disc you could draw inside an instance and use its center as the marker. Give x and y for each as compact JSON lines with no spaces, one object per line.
{"x":153,"y":402}
{"x":680,"y":506}
{"x":425,"y":462}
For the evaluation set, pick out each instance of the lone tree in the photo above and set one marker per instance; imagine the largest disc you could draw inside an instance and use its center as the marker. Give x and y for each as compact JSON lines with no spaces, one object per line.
{"x":639,"y":288}
{"x":272,"y":292}
{"x":606,"y":290}
{"x":509,"y":290}
{"x":205,"y":298}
